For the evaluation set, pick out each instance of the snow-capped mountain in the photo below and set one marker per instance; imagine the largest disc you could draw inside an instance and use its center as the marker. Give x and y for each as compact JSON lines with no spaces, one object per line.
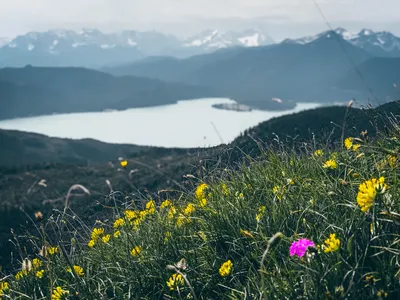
{"x":4,"y":41}
{"x":92,"y":48}
{"x":87,"y":47}
{"x":215,"y":39}
{"x":54,"y":41}
{"x":381,"y":43}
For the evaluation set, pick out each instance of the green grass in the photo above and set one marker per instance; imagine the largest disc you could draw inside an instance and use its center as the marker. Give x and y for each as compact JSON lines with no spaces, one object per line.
{"x":290,"y":193}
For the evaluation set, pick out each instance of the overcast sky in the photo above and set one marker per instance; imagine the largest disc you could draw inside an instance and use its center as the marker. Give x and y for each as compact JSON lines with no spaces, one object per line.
{"x":280,"y":18}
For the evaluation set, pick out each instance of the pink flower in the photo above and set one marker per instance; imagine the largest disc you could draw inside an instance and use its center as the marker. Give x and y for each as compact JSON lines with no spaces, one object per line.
{"x":299,"y":247}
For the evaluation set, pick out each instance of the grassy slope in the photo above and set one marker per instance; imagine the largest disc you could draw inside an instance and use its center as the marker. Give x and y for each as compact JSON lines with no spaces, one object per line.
{"x":158,"y":169}
{"x":281,"y":192}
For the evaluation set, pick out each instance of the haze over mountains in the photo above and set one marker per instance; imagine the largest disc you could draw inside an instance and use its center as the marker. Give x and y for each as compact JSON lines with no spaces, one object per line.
{"x":311,"y":70}
{"x":92,"y":48}
{"x":243,"y":66}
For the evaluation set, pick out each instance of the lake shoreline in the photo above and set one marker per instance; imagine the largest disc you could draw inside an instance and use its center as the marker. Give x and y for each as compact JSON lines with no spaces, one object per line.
{"x":186,"y":124}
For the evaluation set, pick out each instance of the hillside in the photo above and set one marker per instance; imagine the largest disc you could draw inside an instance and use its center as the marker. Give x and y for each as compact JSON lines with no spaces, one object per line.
{"x":23,"y":148}
{"x":380,"y":75}
{"x":293,"y":223}
{"x":33,"y":91}
{"x":149,"y":170}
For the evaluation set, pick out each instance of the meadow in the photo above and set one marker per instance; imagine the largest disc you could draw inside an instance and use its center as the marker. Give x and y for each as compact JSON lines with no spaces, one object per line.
{"x":311,"y":223}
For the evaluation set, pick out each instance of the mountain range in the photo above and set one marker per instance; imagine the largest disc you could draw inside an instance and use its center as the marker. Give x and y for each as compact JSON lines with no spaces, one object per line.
{"x":327,"y":68}
{"x":92,"y":48}
{"x":381,"y":43}
{"x":311,"y":71}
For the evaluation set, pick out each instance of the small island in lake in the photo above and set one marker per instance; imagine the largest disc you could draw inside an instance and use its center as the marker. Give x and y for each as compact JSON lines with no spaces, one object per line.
{"x":233,"y":106}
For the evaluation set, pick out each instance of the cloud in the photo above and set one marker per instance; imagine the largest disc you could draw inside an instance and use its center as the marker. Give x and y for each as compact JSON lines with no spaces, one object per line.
{"x":18,"y":16}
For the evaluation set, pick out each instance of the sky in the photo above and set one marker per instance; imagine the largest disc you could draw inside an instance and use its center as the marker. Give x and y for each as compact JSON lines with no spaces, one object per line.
{"x":279,"y":18}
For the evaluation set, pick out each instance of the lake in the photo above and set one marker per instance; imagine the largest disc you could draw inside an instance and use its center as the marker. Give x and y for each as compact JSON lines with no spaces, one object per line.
{"x":193,"y":123}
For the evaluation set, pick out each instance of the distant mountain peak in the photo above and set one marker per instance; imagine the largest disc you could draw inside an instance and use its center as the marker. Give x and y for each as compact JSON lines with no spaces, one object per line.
{"x":366,"y":32}
{"x":4,"y":41}
{"x":378,"y":43}
{"x":217,"y":39}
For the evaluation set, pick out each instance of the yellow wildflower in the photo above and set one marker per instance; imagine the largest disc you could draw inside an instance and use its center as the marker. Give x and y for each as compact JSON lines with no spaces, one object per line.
{"x":165,"y":204}
{"x":21,"y":274}
{"x":382,"y":294}
{"x":201,"y":191}
{"x":135,"y":223}
{"x":260,"y":213}
{"x":151,"y":207}
{"x":136,"y":251}
{"x":318,"y":153}
{"x":144,"y":213}
{"x":203,"y":202}
{"x":78,"y":271}
{"x":36,"y":263}
{"x":367,"y":192}
{"x":171,"y":212}
{"x":331,"y":244}
{"x":96,"y":233}
{"x":105,"y":239}
{"x":124,"y":163}
{"x":39,"y":274}
{"x":189,"y":209}
{"x":370,"y":279}
{"x":276,"y":189}
{"x":201,"y":195}
{"x":52,"y":250}
{"x":182,"y":220}
{"x":3,"y":287}
{"x":240,"y":196}
{"x":246,"y":233}
{"x":119,"y":223}
{"x":131,"y":214}
{"x":392,"y":161}
{"x":356,"y":147}
{"x":117,"y":234}
{"x":91,"y":243}
{"x":348,"y":143}
{"x":226,"y":268}
{"x":175,"y":281}
{"x":330,"y":164}
{"x":59,"y":293}
{"x":225,"y":189}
